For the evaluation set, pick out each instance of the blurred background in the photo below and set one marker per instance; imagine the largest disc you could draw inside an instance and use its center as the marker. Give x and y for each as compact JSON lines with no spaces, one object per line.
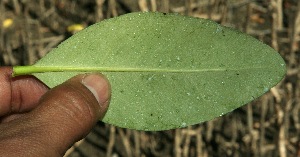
{"x":267,"y":127}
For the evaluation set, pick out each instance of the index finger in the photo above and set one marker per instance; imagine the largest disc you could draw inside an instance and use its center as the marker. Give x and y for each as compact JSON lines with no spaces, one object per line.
{"x":19,"y":94}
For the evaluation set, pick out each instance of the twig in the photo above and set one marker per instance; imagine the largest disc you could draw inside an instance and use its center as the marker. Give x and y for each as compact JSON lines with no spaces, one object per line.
{"x":165,"y":7}
{"x":186,"y":145}
{"x":153,"y":5}
{"x":137,"y":143}
{"x":281,"y":136}
{"x":125,"y":141}
{"x":177,"y":149}
{"x":112,"y":8}
{"x":99,"y":10}
{"x":143,"y":5}
{"x":77,"y":144}
{"x":277,"y":19}
{"x":199,"y":141}
{"x":294,"y":35}
{"x":111,"y":141}
{"x":264,"y":105}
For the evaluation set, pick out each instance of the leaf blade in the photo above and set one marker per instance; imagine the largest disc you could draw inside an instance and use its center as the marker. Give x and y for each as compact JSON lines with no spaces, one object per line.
{"x":190,"y":67}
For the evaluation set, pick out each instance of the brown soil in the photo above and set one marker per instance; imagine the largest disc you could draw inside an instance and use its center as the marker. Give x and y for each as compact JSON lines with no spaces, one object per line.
{"x":269,"y":126}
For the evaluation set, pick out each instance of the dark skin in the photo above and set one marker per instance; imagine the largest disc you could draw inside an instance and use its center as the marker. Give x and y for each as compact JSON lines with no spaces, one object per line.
{"x":38,"y":121}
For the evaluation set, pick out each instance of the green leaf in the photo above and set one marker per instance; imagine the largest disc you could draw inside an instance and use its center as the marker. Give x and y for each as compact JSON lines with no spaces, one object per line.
{"x":166,"y":70}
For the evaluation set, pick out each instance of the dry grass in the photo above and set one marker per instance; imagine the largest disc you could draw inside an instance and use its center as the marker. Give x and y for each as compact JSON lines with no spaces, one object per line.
{"x":269,"y":126}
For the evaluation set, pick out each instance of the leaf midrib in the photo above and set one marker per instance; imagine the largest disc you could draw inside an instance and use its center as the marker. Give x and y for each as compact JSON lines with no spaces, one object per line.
{"x":21,"y":70}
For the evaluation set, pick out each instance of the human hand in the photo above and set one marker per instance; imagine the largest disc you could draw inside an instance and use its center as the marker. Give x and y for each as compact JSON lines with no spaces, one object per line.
{"x":36,"y":121}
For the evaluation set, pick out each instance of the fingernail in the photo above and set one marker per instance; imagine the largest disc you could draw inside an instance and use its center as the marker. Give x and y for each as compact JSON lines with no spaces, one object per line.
{"x":98,"y":86}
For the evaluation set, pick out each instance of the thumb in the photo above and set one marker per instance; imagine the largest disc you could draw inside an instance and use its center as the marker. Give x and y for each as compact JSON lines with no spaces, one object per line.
{"x":65,"y":115}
